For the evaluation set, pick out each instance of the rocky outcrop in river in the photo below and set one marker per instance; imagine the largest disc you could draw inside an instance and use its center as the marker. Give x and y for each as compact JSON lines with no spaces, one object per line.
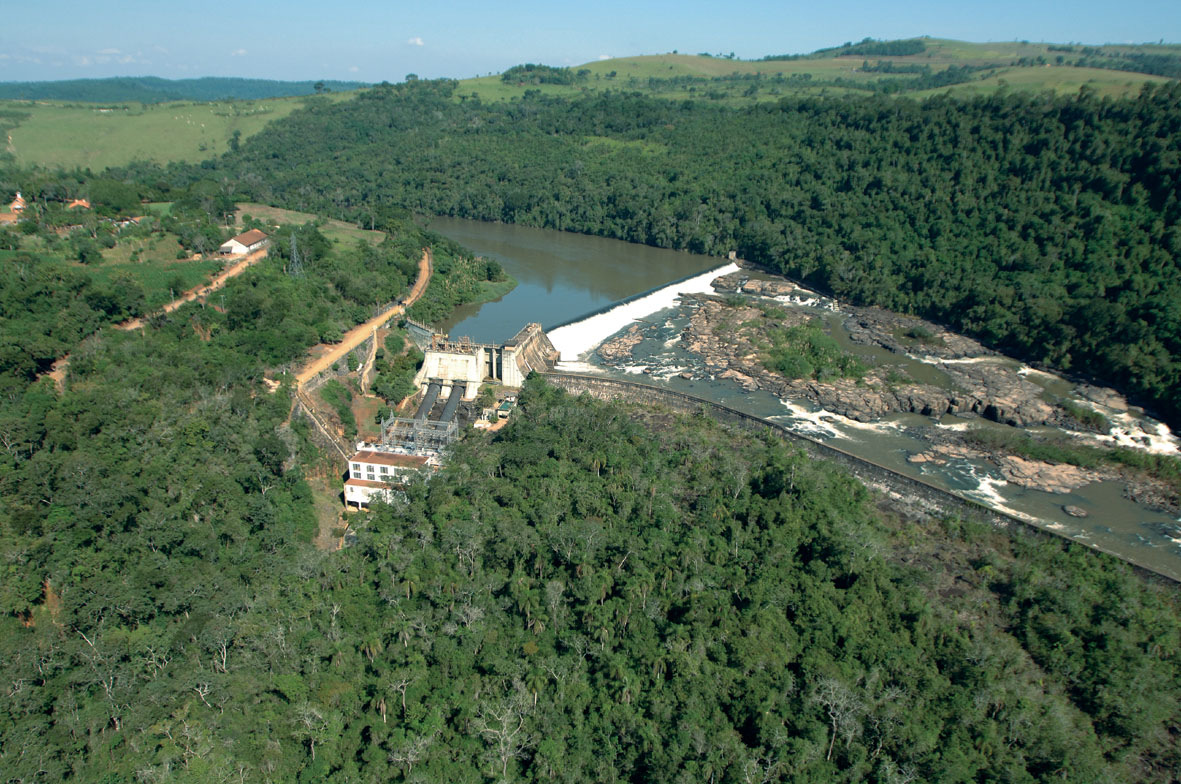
{"x":936,"y":373}
{"x":998,"y":392}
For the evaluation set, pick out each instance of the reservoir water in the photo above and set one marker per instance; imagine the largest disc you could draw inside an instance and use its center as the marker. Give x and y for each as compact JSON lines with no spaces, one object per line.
{"x":563,"y":276}
{"x":560,"y":275}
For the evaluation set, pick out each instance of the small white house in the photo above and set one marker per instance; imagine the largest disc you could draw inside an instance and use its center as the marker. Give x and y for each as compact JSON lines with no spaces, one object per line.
{"x":247,"y":242}
{"x":373,"y":475}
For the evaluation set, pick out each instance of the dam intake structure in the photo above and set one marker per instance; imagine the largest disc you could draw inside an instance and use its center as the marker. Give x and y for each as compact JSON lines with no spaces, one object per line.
{"x":454,"y":370}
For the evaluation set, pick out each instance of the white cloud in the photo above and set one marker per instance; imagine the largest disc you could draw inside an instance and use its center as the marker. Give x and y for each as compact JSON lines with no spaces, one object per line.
{"x":353,"y":69}
{"x":416,"y":41}
{"x":604,"y":57}
{"x":238,"y":53}
{"x":109,"y":51}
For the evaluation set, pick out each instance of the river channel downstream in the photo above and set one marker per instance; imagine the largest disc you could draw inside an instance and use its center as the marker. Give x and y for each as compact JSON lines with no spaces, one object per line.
{"x":571,"y":281}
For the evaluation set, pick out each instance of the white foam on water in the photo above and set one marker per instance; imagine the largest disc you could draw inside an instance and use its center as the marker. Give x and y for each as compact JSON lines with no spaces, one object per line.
{"x":634,"y":370}
{"x":812,"y":421}
{"x":809,"y":299}
{"x":831,"y":424}
{"x":1026,"y":370}
{"x":575,"y":341}
{"x":1145,"y":434}
{"x":675,"y":339}
{"x":988,"y":492}
{"x":667,"y":372}
{"x":577,"y":367}
{"x":989,"y":360}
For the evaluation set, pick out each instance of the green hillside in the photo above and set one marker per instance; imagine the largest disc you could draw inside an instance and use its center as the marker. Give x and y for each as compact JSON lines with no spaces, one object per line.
{"x":977,"y":67}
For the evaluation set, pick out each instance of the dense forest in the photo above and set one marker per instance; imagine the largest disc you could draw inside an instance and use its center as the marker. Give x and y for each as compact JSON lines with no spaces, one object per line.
{"x":1046,"y":226}
{"x":152,"y":89}
{"x":584,"y":598}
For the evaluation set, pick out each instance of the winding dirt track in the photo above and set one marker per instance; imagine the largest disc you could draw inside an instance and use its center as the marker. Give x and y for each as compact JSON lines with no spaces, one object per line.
{"x":201,"y":291}
{"x":352,"y":338}
{"x":360,"y":333}
{"x":58,"y":371}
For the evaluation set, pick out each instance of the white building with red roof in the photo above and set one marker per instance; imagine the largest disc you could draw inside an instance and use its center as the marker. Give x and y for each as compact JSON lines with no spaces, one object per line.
{"x":244,"y":243}
{"x":375,"y":475}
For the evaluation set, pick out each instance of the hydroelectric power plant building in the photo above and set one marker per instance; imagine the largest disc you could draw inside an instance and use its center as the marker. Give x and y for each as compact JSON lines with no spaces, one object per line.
{"x":452,"y":371}
{"x":448,"y":362}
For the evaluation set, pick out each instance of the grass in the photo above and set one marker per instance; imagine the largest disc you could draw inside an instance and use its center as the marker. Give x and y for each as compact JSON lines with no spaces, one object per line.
{"x":365,"y":415}
{"x":97,"y":136}
{"x":151,"y":262}
{"x":337,"y":231}
{"x":634,"y":73}
{"x":491,"y":290}
{"x":1063,"y":80}
{"x":156,"y":249}
{"x":161,"y":281}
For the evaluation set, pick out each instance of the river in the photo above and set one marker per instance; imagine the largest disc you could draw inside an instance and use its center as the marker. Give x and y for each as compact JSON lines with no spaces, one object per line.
{"x":562,"y":276}
{"x":559,"y":275}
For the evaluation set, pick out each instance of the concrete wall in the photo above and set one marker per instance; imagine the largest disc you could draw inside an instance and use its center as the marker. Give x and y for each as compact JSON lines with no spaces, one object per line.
{"x":453,"y":366}
{"x":912,"y":496}
{"x":509,"y":364}
{"x":530,"y":350}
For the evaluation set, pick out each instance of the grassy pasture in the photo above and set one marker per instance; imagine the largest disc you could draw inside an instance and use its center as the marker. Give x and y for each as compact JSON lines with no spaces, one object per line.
{"x":97,"y":136}
{"x":158,"y":273}
{"x":337,"y":231}
{"x":634,"y":73}
{"x":1059,"y":79}
{"x":162,"y":281}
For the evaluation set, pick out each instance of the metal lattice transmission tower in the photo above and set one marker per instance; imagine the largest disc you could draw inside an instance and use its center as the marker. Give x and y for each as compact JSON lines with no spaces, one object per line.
{"x":295,"y":267}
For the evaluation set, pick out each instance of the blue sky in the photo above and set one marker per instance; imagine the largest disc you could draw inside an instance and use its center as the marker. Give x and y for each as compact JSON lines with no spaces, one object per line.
{"x":372,"y":40}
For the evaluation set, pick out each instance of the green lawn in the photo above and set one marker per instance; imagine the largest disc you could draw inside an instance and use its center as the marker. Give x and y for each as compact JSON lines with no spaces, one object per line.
{"x":1060,"y":79}
{"x":155,"y":267}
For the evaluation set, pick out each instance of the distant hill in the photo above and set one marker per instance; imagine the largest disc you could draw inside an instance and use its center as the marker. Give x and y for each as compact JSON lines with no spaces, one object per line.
{"x":914,"y":67}
{"x":152,"y":89}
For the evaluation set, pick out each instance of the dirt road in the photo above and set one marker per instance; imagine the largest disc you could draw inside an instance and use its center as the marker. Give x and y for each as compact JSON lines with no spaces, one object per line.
{"x":359,"y":334}
{"x":58,"y":371}
{"x":201,"y":291}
